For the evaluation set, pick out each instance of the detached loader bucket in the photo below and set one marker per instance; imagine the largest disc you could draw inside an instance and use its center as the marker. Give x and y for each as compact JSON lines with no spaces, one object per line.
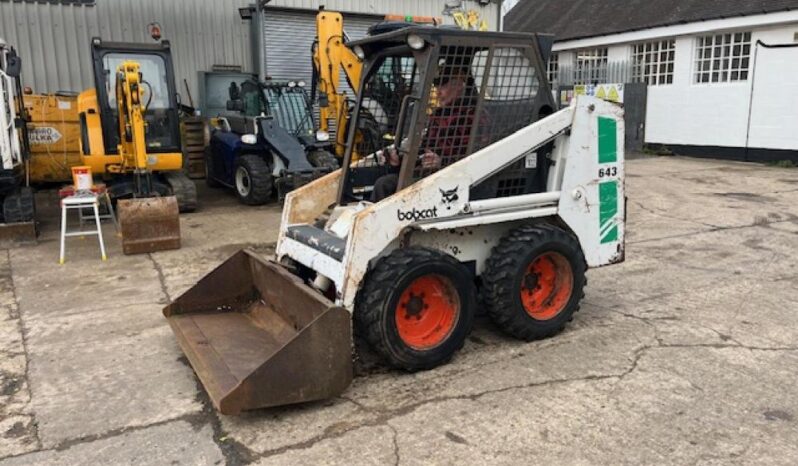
{"x":257,"y":336}
{"x":149,"y":224}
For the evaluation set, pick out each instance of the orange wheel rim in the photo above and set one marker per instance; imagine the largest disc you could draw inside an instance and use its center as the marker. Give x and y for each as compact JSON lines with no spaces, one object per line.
{"x":427,"y":312}
{"x":547,"y":285}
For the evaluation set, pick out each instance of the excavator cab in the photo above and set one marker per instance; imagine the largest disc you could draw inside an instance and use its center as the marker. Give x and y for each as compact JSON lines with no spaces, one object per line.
{"x":130,"y":137}
{"x":162,"y":133}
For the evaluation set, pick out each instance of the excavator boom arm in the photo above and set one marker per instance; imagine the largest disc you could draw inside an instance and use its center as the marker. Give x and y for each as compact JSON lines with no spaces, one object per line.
{"x":330,"y":55}
{"x":132,"y":126}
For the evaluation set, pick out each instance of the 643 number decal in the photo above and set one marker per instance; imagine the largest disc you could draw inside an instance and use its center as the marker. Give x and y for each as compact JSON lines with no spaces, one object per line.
{"x":608,"y":171}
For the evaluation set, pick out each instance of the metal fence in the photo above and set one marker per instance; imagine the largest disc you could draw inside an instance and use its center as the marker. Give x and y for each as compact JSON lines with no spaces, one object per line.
{"x":612,"y":72}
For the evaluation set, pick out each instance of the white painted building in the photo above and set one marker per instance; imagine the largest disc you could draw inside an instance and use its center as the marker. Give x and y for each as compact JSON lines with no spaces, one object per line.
{"x":721,"y":82}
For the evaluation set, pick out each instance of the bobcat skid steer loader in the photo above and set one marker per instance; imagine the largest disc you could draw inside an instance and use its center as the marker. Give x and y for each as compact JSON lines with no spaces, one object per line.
{"x":497,"y":195}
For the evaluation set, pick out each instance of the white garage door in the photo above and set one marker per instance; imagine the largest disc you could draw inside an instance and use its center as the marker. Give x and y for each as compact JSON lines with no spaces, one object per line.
{"x":774,"y":103}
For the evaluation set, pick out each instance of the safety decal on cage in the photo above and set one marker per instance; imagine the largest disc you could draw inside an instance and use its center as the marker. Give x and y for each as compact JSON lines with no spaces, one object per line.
{"x":608,"y":190}
{"x":608,"y":209}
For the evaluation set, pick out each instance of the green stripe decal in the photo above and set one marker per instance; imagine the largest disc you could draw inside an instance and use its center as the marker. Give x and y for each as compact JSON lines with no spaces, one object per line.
{"x":608,"y":209}
{"x":607,"y":140}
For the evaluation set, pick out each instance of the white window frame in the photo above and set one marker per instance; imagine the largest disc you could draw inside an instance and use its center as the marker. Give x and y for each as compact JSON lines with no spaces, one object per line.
{"x":722,"y":58}
{"x":653,"y":62}
{"x":591,"y":65}
{"x":553,"y":68}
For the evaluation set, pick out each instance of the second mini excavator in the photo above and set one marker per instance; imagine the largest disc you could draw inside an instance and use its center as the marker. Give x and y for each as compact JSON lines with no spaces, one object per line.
{"x":130,"y":136}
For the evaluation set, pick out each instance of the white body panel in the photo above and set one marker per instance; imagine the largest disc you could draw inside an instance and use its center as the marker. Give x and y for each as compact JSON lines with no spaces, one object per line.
{"x":423,"y":215}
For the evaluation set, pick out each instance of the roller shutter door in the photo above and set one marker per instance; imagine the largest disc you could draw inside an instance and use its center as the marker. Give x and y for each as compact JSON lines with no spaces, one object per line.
{"x":288,"y":36}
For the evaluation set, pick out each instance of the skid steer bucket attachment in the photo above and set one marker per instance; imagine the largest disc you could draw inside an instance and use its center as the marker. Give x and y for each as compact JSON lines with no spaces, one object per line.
{"x":257,"y":336}
{"x":149,"y":224}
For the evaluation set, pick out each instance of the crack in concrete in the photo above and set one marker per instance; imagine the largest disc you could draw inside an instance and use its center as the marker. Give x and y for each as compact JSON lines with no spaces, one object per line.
{"x":397,"y":456}
{"x":24,"y":340}
{"x":766,"y":224}
{"x":99,"y":308}
{"x":235,"y":453}
{"x":727,"y":346}
{"x":161,"y":277}
{"x":69,"y":443}
{"x":744,"y":299}
{"x":232,"y":451}
{"x":385,"y":416}
{"x":722,"y":336}
{"x":671,"y":217}
{"x":669,"y":175}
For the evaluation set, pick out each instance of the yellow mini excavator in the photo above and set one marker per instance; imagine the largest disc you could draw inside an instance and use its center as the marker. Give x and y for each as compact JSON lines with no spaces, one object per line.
{"x":130,"y":136}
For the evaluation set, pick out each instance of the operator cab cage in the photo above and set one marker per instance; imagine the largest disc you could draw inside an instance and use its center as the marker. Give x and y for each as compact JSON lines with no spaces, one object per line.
{"x":160,"y":94}
{"x":287,"y":102}
{"x":451,"y":93}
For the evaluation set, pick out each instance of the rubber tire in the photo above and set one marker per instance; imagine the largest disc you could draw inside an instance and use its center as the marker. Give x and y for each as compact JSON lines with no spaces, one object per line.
{"x":506,"y":267}
{"x":210,"y":181}
{"x":19,"y":206}
{"x":323,"y":159}
{"x":376,"y":304}
{"x":260,"y":177}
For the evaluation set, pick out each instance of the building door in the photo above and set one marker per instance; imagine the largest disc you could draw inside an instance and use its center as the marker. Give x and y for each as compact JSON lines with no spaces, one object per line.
{"x":288,"y":36}
{"x":773,"y":120}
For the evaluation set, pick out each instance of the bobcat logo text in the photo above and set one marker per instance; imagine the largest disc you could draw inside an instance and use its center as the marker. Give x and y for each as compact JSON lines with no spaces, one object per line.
{"x":416,"y":214}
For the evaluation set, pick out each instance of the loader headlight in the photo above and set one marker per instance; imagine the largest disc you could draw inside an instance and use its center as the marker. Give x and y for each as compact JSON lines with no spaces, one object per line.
{"x":416,"y":42}
{"x":300,"y":83}
{"x":291,"y":83}
{"x":249,"y":139}
{"x":322,"y":136}
{"x":359,"y":52}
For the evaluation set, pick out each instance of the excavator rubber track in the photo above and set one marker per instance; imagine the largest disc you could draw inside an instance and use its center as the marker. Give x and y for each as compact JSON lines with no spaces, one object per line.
{"x":258,"y":336}
{"x":183,"y":189}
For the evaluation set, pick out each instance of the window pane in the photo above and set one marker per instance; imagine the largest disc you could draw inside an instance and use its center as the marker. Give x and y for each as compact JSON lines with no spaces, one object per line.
{"x":650,"y":61}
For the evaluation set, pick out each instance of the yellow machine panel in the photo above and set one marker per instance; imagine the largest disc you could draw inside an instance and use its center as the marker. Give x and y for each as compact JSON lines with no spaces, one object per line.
{"x":54,"y":133}
{"x":94,"y":155}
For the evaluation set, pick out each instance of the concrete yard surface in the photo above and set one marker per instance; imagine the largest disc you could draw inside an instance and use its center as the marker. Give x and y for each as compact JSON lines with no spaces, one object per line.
{"x":687,"y":353}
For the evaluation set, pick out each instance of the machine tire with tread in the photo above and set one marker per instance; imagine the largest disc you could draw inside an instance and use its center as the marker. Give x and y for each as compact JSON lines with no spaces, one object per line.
{"x":19,"y":206}
{"x":411,"y":329}
{"x":184,"y":189}
{"x":260,"y":180}
{"x":323,"y":159}
{"x":534,"y":281}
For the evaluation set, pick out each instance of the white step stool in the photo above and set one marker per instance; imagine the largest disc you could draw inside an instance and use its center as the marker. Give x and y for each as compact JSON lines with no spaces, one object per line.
{"x":82,"y":200}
